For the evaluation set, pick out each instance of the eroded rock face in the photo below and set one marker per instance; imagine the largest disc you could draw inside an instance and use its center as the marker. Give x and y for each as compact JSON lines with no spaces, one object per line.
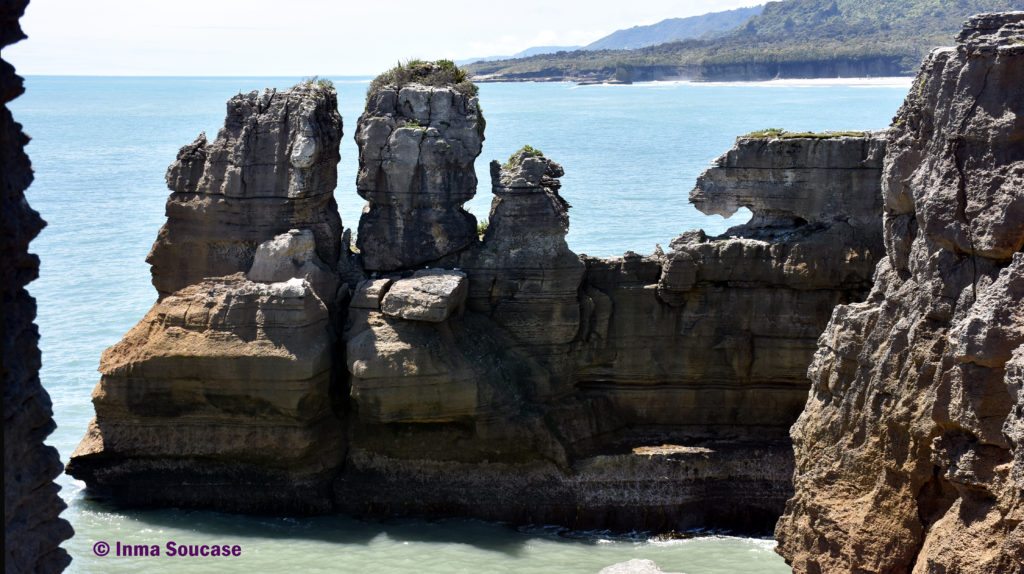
{"x":908,"y":451}
{"x":417,"y":145}
{"x":564,"y":373}
{"x":33,"y":529}
{"x":272,"y":168}
{"x":716,"y":333}
{"x":229,"y":378}
{"x":431,"y":295}
{"x":523,"y":274}
{"x":503,"y":376}
{"x":223,"y":379}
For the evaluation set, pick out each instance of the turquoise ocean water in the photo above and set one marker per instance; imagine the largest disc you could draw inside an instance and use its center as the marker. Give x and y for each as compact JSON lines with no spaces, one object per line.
{"x":631,"y":154}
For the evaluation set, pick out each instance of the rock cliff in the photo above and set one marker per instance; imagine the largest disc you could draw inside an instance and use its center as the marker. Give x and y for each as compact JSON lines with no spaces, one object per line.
{"x":33,"y":529}
{"x":228,"y":379}
{"x":909,"y":453}
{"x":498,"y":375}
{"x":417,"y":144}
{"x":273,"y":167}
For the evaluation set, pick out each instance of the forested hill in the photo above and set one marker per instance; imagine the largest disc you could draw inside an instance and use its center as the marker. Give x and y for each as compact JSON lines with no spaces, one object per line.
{"x":789,"y":39}
{"x":672,"y":29}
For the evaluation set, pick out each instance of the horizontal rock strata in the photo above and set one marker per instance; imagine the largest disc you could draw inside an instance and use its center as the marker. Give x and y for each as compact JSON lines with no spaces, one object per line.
{"x":908,"y":453}
{"x":417,"y":145}
{"x":229,"y":379}
{"x":493,"y":372}
{"x":272,"y":168}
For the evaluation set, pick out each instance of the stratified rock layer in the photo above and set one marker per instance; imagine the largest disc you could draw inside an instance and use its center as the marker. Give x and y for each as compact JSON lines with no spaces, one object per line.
{"x":417,"y":145}
{"x":909,"y":449}
{"x":272,"y":168}
{"x":637,"y":392}
{"x":502,"y":376}
{"x":228,"y":380}
{"x":33,"y":529}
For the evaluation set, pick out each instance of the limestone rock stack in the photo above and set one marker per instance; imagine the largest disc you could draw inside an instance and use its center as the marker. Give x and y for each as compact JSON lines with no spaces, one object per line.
{"x":417,"y":144}
{"x":228,"y":379}
{"x":523,"y":275}
{"x":272,"y":168}
{"x":909,"y":452}
{"x":33,"y":529}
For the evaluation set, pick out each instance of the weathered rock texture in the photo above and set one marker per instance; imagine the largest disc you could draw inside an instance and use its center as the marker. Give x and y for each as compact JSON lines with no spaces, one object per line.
{"x":228,"y":380}
{"x":272,"y":168}
{"x":33,"y":529}
{"x":909,"y":452}
{"x":417,"y":145}
{"x":501,"y":376}
{"x":637,"y":392}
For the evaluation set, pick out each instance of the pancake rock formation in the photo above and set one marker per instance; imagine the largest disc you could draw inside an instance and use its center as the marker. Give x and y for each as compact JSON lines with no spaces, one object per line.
{"x":228,"y":378}
{"x":909,"y":453}
{"x":446,"y":370}
{"x":417,"y":144}
{"x":33,"y":529}
{"x":272,"y":168}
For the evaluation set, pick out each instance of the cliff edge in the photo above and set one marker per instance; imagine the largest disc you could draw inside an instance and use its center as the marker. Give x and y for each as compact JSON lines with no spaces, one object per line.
{"x":33,"y":529}
{"x":909,"y":453}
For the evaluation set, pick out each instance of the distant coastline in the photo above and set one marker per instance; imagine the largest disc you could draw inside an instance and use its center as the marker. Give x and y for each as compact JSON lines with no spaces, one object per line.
{"x":867,"y":81}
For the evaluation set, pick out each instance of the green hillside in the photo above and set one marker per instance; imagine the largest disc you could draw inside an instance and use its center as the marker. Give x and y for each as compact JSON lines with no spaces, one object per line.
{"x":792,"y":38}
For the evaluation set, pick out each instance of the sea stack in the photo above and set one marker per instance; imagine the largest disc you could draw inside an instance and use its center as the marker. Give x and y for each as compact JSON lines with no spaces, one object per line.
{"x":910,"y":451}
{"x":418,"y":138}
{"x":451,"y":370}
{"x":272,"y":168}
{"x":228,"y":379}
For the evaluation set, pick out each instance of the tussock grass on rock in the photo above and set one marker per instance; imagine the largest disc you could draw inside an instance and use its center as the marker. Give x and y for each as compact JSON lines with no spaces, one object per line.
{"x":436,"y":73}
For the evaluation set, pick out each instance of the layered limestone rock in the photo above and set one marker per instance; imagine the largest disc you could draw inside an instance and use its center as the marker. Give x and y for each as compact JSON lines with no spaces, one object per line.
{"x":501,"y":376}
{"x":909,"y":449}
{"x":272,"y":168}
{"x":417,"y":144}
{"x":715,"y":334}
{"x":638,"y":392}
{"x":523,"y":274}
{"x":33,"y":529}
{"x":228,"y":379}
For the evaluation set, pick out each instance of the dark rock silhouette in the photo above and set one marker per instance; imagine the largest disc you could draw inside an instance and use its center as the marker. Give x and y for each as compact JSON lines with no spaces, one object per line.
{"x":33,"y":529}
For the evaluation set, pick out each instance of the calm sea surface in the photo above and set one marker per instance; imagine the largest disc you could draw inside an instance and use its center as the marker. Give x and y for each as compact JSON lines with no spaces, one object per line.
{"x":631,"y":154}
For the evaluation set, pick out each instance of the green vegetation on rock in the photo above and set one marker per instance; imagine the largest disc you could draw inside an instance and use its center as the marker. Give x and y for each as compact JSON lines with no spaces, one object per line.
{"x":792,"y":38}
{"x":525,"y":151}
{"x":778,"y":133}
{"x":436,"y":73}
{"x":317,"y":82}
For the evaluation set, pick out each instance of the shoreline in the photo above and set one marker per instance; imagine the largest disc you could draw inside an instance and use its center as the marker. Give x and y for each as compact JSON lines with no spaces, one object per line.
{"x":902,"y":82}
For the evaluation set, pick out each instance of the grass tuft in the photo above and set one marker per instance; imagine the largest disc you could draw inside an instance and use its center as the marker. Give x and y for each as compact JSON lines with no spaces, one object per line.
{"x":779,"y":133}
{"x":436,"y":73}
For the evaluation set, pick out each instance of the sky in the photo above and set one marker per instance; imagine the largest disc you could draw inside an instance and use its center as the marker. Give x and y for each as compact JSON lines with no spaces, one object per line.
{"x":309,"y":37}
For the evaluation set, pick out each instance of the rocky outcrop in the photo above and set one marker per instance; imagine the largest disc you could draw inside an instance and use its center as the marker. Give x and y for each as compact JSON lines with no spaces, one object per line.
{"x":716,"y":333}
{"x":908,"y":452}
{"x":499,"y":375}
{"x":523,"y":274}
{"x":417,"y":144}
{"x":33,"y":529}
{"x":637,"y":392}
{"x":272,"y":168}
{"x":228,"y":379}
